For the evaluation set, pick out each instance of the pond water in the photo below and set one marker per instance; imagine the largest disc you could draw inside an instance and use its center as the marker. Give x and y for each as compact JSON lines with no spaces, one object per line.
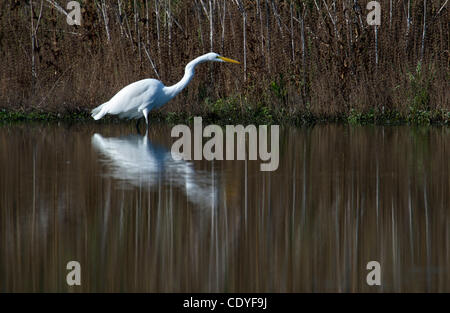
{"x":138,"y":221}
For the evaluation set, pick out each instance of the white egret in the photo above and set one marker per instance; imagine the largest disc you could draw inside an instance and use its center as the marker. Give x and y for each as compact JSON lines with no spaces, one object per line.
{"x":138,"y":98}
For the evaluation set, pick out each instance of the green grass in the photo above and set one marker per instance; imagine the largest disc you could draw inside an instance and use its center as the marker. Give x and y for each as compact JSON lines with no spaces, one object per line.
{"x":235,"y":111}
{"x":7,"y":116}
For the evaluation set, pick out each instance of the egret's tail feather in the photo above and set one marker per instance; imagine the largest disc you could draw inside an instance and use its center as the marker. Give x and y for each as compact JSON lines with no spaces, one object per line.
{"x":99,"y":111}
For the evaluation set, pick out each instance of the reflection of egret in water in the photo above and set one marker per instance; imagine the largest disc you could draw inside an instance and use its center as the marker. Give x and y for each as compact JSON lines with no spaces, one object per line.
{"x":312,"y":225}
{"x":136,"y":161}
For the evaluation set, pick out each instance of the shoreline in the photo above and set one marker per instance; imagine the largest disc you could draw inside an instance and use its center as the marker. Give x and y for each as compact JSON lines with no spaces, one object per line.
{"x":257,"y":116}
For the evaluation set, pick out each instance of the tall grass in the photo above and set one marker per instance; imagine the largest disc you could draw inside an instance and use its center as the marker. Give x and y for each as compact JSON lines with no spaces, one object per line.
{"x":310,"y":56}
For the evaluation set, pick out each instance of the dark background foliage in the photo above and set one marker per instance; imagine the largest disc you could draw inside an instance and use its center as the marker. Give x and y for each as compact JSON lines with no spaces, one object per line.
{"x":318,"y":56}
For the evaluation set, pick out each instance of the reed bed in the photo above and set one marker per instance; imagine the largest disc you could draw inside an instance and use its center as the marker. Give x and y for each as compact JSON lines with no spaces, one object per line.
{"x":306,"y":57}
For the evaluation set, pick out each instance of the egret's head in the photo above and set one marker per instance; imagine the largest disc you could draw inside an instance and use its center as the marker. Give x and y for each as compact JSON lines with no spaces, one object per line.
{"x":218,"y":58}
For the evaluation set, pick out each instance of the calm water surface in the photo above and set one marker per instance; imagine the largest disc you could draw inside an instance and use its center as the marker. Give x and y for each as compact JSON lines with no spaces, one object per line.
{"x":137,"y":220}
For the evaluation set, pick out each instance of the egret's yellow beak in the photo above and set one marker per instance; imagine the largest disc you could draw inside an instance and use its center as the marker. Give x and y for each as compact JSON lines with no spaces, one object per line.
{"x":229,"y":60}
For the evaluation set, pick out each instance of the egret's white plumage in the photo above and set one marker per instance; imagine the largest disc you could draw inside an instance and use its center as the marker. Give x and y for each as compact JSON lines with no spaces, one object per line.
{"x":138,"y":98}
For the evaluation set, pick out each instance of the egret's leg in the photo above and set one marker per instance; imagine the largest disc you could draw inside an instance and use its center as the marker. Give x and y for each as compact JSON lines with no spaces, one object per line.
{"x":145,"y":112}
{"x":137,"y":125}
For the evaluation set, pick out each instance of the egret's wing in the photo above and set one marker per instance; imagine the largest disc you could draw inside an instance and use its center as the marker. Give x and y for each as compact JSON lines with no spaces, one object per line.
{"x":130,"y":100}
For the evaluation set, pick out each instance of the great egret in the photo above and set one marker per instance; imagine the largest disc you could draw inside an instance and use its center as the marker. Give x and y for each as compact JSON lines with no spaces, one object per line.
{"x":140,"y":97}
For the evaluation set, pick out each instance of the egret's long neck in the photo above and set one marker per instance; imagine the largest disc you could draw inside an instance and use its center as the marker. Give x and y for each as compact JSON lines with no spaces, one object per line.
{"x":189,"y":72}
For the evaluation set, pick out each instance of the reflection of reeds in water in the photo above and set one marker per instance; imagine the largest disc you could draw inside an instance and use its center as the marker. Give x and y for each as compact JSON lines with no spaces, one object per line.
{"x":342,"y":197}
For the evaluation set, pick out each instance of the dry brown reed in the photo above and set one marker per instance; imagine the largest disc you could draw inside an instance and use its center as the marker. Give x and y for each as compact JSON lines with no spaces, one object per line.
{"x":311,"y":55}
